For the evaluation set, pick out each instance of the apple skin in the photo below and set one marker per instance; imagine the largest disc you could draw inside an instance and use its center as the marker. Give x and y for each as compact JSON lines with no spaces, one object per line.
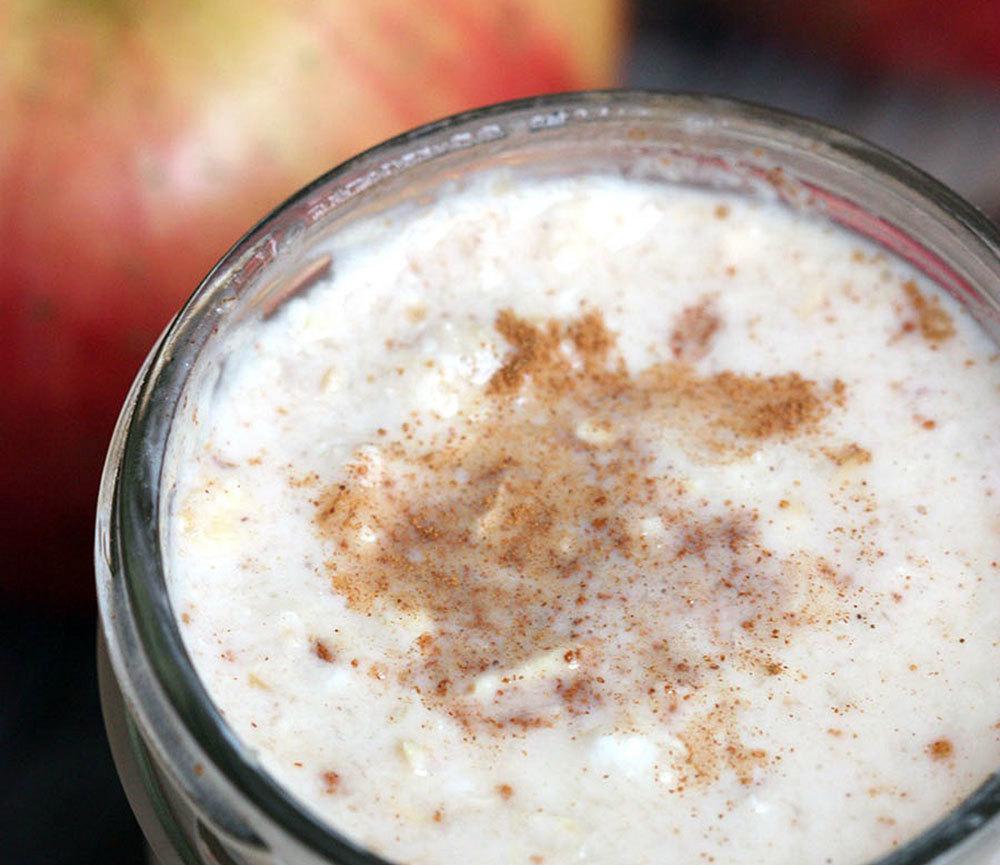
{"x":139,"y":141}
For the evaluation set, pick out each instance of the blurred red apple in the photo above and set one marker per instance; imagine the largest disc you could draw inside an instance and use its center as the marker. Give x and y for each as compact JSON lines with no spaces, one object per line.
{"x":139,"y":140}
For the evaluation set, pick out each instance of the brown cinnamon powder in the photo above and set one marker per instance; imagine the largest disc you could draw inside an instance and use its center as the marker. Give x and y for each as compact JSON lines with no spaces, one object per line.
{"x":934,"y":322}
{"x":848,"y":454}
{"x":940,"y":749}
{"x":564,"y":571}
{"x":692,"y":336}
{"x":322,"y":651}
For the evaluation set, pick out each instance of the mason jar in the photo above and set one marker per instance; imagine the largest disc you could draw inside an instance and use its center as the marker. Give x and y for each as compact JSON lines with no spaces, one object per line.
{"x":199,"y":794}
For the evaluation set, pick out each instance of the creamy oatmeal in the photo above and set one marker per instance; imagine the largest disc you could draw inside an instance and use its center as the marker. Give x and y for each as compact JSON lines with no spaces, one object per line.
{"x":594,"y":520}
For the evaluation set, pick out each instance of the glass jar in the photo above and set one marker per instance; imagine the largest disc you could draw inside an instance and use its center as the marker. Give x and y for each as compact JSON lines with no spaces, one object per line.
{"x":197,"y":791}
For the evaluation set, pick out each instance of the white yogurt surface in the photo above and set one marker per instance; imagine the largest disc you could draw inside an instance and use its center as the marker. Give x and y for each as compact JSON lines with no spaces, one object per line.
{"x":599,"y":521}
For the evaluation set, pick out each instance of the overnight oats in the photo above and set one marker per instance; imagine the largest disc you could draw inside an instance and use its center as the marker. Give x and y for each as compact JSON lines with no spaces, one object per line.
{"x":595,"y":519}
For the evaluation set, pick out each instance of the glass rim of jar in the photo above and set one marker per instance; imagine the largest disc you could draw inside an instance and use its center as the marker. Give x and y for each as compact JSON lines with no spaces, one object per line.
{"x":145,"y":644}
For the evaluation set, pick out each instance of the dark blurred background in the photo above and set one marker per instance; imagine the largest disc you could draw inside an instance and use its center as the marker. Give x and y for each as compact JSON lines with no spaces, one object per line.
{"x":920,"y":78}
{"x":78,"y":313}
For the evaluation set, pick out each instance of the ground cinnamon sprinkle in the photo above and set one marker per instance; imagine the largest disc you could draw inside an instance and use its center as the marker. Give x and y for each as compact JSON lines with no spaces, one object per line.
{"x":758,"y":407}
{"x":714,"y":742}
{"x":935,"y":324}
{"x":692,"y":336}
{"x":516,"y":534}
{"x":849,"y":454}
{"x":590,"y":337}
{"x":940,"y":749}
{"x":532,"y":350}
{"x":322,"y":651}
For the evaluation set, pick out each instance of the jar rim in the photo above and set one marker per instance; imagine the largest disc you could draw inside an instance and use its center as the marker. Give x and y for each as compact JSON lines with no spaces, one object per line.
{"x":133,"y":553}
